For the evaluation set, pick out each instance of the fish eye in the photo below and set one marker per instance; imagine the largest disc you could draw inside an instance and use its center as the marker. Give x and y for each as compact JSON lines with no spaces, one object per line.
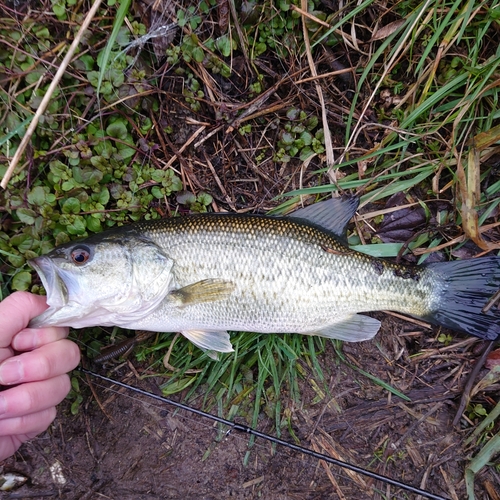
{"x":80,"y":255}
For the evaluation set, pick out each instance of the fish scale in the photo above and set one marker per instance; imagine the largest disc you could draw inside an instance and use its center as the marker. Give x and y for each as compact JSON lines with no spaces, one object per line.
{"x":289,"y":277}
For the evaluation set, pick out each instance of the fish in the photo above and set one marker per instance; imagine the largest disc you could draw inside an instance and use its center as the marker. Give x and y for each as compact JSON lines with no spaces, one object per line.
{"x":205,"y":275}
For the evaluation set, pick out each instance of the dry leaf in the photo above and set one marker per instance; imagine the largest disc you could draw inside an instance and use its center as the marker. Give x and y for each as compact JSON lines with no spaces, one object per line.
{"x":387,"y":30}
{"x":493,"y":359}
{"x":486,"y":139}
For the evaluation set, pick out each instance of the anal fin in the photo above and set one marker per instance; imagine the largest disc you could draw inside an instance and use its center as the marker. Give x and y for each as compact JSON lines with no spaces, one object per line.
{"x":354,"y":328}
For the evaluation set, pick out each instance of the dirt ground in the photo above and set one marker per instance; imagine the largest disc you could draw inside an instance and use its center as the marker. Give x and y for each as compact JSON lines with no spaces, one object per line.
{"x":123,"y":446}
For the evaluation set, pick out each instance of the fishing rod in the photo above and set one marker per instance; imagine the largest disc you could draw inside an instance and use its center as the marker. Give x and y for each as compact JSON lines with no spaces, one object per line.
{"x":253,"y":432}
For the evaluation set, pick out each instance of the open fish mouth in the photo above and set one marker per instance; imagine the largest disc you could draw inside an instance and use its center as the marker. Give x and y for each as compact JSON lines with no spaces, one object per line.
{"x":57,"y":292}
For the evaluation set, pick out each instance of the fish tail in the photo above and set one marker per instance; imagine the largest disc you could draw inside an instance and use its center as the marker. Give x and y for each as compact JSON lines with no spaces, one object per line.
{"x":467,"y":286}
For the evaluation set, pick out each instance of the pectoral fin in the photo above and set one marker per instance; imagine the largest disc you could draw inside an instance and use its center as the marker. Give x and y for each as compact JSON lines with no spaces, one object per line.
{"x":354,"y":328}
{"x":209,"y":290}
{"x":210,"y":340}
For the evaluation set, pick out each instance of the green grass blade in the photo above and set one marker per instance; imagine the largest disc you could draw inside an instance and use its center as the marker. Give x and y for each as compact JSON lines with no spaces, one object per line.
{"x":479,"y":461}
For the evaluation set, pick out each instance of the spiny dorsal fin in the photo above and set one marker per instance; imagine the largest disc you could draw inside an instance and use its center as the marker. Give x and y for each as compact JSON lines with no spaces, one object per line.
{"x":332,"y":215}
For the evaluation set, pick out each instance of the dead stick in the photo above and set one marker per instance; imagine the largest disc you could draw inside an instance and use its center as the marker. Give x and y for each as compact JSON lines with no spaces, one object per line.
{"x":304,"y":12}
{"x":48,"y":95}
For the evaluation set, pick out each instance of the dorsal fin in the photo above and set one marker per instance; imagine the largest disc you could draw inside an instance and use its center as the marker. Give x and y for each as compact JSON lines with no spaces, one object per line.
{"x":332,"y":215}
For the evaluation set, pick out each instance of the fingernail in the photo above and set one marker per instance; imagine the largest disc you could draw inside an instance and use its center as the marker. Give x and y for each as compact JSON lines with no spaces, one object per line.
{"x":10,"y":372}
{"x":3,"y":405}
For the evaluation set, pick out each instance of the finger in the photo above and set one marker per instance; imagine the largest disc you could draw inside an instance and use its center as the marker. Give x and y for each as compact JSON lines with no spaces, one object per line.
{"x":32,"y":338}
{"x":31,"y":398}
{"x":19,"y":429}
{"x":46,"y":362}
{"x":15,"y":313}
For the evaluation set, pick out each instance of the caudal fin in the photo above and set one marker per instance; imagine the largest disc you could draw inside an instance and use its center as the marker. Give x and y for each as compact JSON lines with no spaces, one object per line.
{"x":467,"y":286}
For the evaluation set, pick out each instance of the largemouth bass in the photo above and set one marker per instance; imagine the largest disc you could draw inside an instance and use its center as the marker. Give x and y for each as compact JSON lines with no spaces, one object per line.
{"x":204,"y":275}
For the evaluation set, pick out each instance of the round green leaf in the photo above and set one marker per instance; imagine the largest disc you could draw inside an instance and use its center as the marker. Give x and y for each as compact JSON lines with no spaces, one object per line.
{"x":71,"y":206}
{"x":223,"y":43}
{"x":158,"y":175}
{"x":94,"y":224}
{"x":287,"y":138}
{"x":198,"y":54}
{"x":205,"y":199}
{"x":27,"y":244}
{"x":292,"y":113}
{"x":103,"y":196}
{"x":21,"y":281}
{"x":26,"y":215}
{"x":78,"y":226}
{"x":37,"y":196}
{"x":157,"y":192}
{"x":16,"y":260}
{"x":68,"y":185}
{"x":306,"y":138}
{"x":118,"y":130}
{"x":59,"y":9}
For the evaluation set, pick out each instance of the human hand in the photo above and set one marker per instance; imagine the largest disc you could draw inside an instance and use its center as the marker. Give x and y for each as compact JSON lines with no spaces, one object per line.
{"x":39,"y":373}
